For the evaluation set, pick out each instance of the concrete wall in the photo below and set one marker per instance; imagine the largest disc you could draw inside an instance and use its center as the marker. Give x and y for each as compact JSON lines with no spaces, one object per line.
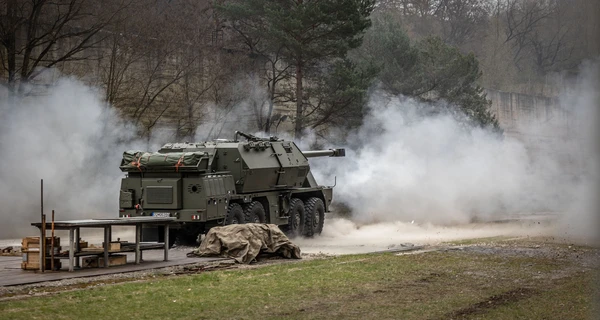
{"x":548,"y":129}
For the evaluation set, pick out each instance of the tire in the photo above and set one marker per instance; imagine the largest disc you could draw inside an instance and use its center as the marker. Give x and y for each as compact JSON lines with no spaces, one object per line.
{"x":297,"y":217}
{"x":315,"y":214}
{"x":254,"y":212}
{"x":235,"y":214}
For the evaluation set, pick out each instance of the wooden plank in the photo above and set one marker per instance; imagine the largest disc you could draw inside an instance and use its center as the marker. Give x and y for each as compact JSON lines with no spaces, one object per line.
{"x":10,"y":276}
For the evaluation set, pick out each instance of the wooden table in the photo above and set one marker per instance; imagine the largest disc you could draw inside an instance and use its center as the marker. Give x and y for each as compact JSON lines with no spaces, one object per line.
{"x":74,"y":227}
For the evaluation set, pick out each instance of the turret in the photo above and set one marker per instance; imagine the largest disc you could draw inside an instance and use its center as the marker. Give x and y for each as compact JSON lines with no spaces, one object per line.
{"x":257,"y":164}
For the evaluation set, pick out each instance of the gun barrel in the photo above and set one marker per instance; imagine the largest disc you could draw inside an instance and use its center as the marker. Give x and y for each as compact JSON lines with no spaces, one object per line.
{"x":325,"y":153}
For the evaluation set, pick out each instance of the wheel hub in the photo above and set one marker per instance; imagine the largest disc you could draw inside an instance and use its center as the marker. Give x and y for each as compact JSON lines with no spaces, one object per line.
{"x":296,"y":220}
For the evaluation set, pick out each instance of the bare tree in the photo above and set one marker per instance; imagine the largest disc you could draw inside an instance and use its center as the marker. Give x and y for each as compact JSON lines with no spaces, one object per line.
{"x":39,"y":34}
{"x":154,"y":67}
{"x":461,"y":20}
{"x":121,"y":57}
{"x":272,"y":69}
{"x":540,"y":33}
{"x":522,"y":19}
{"x":455,"y":21}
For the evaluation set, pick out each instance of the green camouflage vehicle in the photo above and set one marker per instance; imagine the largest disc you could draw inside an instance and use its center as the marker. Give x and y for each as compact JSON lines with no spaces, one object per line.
{"x":206,"y":184}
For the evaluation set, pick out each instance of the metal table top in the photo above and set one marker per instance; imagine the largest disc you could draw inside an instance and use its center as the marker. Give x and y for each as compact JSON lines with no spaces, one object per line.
{"x":105,"y":222}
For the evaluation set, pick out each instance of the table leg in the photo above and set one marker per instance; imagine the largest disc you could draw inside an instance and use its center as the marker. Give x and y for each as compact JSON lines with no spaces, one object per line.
{"x":166,"y":234}
{"x":77,"y":248}
{"x":71,"y":248}
{"x":106,"y":245}
{"x":138,"y":237}
{"x":42,"y":238}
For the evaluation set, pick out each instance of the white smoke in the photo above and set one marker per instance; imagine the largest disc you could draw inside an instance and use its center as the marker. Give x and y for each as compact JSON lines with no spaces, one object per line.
{"x":406,"y":165}
{"x":403,"y":165}
{"x":72,"y":140}
{"x":428,"y":168}
{"x":245,"y":102}
{"x":580,"y":221}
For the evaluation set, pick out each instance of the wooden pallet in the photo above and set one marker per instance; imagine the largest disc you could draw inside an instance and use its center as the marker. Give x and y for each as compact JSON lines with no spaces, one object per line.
{"x":95,"y":262}
{"x":31,"y":261}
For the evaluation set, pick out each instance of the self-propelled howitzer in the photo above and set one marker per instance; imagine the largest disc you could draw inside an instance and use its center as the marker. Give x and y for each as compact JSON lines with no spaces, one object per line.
{"x":204,"y":184}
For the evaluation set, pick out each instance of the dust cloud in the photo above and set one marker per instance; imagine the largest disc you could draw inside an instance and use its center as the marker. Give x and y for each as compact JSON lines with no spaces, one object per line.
{"x":343,"y":236}
{"x":410,"y":171}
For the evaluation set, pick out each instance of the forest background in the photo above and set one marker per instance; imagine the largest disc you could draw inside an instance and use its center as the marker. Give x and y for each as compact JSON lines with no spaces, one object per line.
{"x":199,"y":69}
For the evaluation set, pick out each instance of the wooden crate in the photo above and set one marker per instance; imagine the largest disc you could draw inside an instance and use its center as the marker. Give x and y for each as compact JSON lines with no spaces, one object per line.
{"x":113,"y":246}
{"x":57,"y":250}
{"x":95,"y":261}
{"x":34,"y":242}
{"x":31,"y":261}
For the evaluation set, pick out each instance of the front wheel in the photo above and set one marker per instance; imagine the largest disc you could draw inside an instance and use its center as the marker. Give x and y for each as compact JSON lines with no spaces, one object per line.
{"x":235,"y":214}
{"x":297,"y":218}
{"x":254,"y":212}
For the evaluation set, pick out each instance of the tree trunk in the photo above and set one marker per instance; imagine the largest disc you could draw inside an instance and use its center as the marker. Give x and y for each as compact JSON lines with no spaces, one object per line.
{"x":110,"y":82}
{"x":269,"y":114}
{"x":29,"y":44}
{"x":274,"y":81}
{"x":12,"y":61}
{"x":299,"y":105}
{"x":10,"y":41}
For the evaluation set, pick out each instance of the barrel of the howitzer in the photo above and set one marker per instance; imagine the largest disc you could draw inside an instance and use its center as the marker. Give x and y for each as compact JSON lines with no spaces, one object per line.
{"x":325,"y":153}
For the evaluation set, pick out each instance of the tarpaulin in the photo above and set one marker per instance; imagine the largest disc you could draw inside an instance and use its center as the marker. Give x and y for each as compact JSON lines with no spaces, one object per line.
{"x":244,"y":242}
{"x":135,"y":158}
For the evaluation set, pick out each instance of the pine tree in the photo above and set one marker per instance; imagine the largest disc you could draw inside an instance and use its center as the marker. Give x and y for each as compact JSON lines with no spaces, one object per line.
{"x":304,"y":32}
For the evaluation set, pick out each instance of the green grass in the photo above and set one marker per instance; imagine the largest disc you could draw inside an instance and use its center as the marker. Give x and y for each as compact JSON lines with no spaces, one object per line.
{"x":466,"y":242}
{"x":435,"y":285}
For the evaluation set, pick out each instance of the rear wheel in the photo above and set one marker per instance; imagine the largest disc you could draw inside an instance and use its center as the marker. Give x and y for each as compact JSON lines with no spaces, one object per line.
{"x":315,"y":214}
{"x":297,"y":217}
{"x":254,"y":212}
{"x":235,"y":214}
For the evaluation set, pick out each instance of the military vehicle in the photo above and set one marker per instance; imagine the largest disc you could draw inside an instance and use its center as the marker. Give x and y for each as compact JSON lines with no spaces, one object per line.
{"x":221,"y":182}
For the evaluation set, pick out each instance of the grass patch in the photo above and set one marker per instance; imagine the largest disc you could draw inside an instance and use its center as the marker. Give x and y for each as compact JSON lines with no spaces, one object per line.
{"x":466,"y":242}
{"x":434,"y":285}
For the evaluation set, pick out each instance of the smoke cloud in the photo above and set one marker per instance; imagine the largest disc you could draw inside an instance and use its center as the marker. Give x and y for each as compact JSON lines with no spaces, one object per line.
{"x":246,"y":102}
{"x":408,"y":165}
{"x":70,"y":138}
{"x":404,"y":167}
